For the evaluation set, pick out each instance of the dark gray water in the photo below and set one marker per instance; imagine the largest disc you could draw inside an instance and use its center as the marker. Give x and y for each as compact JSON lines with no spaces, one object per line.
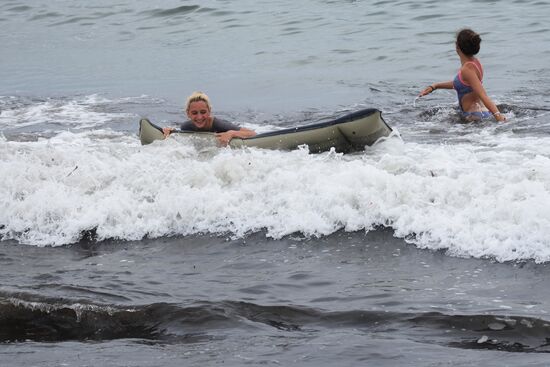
{"x":429,"y":249}
{"x":204,"y":300}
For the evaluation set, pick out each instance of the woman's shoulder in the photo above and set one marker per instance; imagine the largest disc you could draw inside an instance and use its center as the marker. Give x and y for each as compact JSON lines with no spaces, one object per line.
{"x":220,"y":125}
{"x":472,"y":68}
{"x":474,"y":65}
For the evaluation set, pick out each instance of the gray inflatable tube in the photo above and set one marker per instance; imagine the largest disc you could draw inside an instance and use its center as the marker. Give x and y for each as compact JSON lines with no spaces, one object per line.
{"x":352,"y":132}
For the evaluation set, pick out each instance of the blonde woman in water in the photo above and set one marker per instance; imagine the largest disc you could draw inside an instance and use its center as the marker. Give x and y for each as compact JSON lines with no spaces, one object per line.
{"x":199,"y":112}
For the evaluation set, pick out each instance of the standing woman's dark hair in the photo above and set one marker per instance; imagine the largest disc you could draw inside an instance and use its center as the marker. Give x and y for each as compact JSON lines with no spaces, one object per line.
{"x":468,"y":42}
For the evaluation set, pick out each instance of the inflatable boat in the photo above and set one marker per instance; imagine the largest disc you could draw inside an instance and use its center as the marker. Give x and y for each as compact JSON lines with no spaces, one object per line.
{"x":352,"y":132}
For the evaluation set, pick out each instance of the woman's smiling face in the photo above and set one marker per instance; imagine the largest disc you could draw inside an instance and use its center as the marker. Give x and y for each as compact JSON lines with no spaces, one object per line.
{"x":199,"y":114}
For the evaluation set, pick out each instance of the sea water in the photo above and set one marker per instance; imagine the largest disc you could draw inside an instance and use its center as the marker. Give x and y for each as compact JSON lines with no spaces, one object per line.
{"x":432,"y":244}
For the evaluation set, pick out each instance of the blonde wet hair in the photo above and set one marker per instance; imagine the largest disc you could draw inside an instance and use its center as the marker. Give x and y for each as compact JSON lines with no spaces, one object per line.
{"x":197,"y":97}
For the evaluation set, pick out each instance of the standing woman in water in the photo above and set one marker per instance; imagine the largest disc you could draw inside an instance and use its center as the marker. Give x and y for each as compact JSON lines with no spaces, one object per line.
{"x":473,"y":101}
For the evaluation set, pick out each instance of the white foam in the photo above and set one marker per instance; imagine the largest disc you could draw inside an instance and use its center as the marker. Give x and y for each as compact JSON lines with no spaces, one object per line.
{"x":482,"y":201}
{"x":81,"y":112}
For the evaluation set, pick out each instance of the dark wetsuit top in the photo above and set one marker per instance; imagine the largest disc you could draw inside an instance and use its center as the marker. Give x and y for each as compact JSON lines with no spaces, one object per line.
{"x":218,"y":126}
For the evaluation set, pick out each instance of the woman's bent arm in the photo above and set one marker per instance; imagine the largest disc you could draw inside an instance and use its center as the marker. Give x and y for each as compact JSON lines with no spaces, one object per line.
{"x":471,"y":78}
